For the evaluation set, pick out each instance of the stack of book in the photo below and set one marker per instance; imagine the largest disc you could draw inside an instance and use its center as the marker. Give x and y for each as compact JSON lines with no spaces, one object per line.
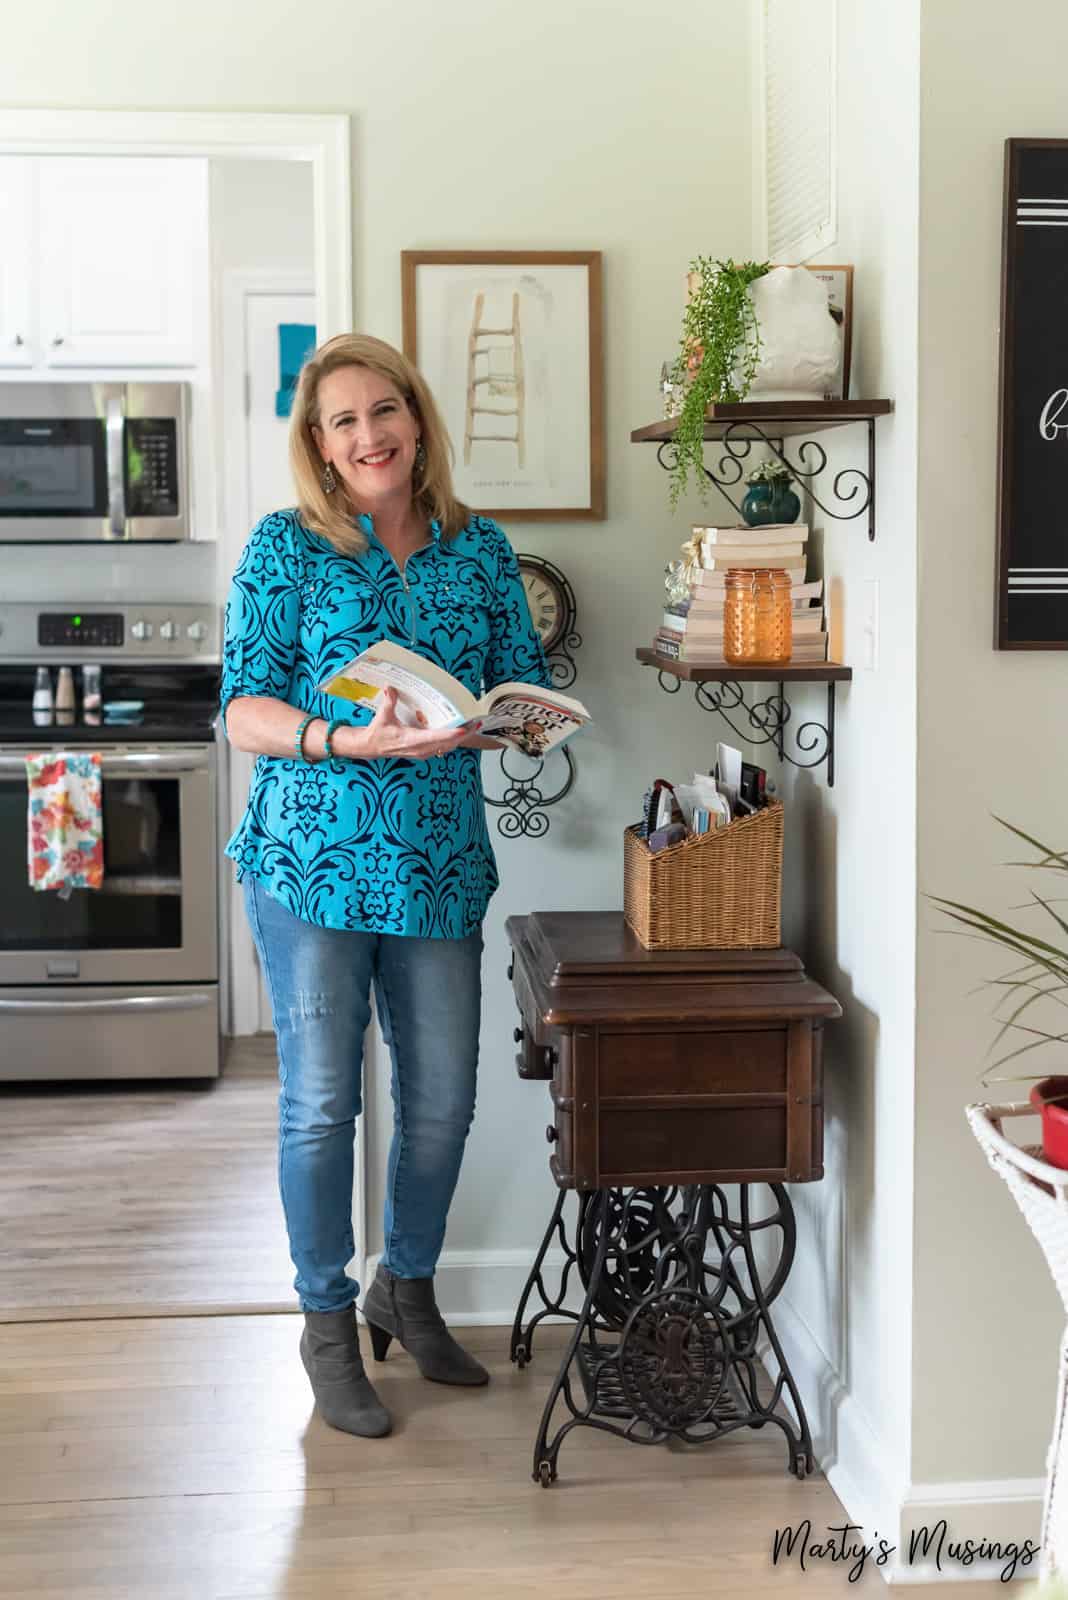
{"x":692,"y":629}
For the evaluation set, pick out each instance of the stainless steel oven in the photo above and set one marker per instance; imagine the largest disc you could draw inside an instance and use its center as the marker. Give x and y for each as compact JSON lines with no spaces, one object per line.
{"x":122,"y":981}
{"x":93,"y":461}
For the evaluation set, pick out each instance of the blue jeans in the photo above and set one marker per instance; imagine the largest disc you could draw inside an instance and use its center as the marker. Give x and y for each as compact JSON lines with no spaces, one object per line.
{"x":429,"y":998}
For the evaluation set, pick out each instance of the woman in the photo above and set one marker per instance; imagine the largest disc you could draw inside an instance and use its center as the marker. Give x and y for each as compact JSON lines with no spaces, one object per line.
{"x":364,"y":852}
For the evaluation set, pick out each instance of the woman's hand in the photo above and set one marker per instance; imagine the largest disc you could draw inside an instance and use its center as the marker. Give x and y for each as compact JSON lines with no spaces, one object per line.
{"x":386,"y":736}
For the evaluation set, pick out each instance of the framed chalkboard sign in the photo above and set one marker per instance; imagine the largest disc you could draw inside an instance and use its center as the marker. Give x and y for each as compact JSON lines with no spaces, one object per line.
{"x":1031,"y":607}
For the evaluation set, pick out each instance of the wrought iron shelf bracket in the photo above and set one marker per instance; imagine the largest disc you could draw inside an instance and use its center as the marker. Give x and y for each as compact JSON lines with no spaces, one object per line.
{"x":738,"y":427}
{"x":767,"y":721}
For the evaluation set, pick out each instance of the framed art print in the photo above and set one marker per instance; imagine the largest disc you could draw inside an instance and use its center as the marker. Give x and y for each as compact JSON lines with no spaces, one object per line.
{"x":838,"y":282}
{"x":510,"y":343}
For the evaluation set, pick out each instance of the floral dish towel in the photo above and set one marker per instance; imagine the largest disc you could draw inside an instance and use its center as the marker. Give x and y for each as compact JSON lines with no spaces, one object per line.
{"x":65,"y":824}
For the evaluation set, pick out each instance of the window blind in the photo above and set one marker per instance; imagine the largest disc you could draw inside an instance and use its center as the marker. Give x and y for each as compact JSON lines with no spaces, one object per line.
{"x":797,"y":132}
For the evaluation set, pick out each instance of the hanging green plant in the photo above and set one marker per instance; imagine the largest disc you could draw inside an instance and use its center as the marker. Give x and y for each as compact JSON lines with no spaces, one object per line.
{"x":718,"y":354}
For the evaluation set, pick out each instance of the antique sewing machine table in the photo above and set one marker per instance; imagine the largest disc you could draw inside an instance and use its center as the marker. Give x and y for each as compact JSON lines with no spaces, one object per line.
{"x":686,"y":1090}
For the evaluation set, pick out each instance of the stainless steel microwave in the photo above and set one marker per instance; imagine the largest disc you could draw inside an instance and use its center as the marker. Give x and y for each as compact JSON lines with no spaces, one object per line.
{"x":101,"y":462}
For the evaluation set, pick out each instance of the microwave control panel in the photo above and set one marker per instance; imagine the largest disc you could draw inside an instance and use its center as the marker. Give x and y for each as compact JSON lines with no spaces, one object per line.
{"x":151,"y":467}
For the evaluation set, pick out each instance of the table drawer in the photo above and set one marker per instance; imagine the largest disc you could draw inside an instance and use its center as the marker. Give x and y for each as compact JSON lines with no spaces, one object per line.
{"x":741,"y":1061}
{"x":659,"y":1105}
{"x":691,"y":1144}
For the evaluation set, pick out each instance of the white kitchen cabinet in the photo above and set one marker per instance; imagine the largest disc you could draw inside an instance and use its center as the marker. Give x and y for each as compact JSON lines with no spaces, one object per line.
{"x":18,"y":316}
{"x":118,"y":255}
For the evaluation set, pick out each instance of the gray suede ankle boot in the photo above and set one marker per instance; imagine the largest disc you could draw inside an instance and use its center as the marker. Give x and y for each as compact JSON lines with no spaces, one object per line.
{"x":405,"y":1309}
{"x":330,"y":1351}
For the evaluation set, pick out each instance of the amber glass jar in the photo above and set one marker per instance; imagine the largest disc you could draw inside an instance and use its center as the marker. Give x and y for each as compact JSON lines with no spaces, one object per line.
{"x":757,"y":616}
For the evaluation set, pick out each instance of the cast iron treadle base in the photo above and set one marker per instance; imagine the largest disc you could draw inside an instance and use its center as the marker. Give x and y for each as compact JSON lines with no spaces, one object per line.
{"x":673,"y":1286}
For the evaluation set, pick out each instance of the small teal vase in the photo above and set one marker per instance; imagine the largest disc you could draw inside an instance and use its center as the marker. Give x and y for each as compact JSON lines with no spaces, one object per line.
{"x":770,"y":502}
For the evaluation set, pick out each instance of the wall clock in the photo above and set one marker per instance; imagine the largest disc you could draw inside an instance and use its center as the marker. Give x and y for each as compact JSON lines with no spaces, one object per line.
{"x":553,"y":612}
{"x":548,"y":598}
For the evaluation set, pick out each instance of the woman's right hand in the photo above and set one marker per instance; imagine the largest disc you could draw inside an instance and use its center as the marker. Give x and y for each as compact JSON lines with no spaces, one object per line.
{"x":386,"y":736}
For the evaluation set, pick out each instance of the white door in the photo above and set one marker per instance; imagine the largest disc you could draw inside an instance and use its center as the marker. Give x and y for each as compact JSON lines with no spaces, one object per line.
{"x":265,"y":482}
{"x":124,"y":260}
{"x":17,"y":247}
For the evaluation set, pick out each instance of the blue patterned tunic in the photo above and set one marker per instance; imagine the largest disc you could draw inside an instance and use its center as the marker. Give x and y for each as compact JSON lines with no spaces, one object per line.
{"x":386,"y":846}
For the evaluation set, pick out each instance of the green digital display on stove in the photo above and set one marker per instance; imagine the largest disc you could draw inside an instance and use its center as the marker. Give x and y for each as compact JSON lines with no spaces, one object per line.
{"x":76,"y":630}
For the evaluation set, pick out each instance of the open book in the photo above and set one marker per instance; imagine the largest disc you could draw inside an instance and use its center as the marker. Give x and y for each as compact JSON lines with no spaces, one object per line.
{"x":530,"y":719}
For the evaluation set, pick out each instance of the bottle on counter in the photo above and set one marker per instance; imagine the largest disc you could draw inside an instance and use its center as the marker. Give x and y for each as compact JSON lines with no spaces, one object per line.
{"x":42,"y":691}
{"x":65,"y":690}
{"x":91,"y":690}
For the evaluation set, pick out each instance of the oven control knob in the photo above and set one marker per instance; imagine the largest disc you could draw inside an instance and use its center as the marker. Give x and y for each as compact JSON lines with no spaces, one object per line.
{"x":142,"y":629}
{"x":168,"y":630}
{"x":196,"y":630}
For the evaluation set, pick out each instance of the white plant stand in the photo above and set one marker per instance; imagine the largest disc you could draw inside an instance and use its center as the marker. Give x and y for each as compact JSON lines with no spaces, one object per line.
{"x":1041,"y":1192}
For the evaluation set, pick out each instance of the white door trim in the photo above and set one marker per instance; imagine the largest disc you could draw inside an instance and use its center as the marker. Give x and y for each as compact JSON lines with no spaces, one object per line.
{"x":237,"y":285}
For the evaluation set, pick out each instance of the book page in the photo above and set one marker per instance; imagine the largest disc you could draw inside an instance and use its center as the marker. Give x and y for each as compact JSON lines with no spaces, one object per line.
{"x":427,"y":696}
{"x":535,"y":693}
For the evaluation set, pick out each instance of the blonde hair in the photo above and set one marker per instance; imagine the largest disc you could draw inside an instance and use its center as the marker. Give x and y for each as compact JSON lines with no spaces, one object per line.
{"x":334,"y":515}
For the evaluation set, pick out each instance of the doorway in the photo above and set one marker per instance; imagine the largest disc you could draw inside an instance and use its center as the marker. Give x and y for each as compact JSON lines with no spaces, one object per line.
{"x":237,"y":1142}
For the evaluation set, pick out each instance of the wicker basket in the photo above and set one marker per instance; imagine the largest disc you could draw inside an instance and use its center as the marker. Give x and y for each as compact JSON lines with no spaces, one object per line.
{"x":717,"y":891}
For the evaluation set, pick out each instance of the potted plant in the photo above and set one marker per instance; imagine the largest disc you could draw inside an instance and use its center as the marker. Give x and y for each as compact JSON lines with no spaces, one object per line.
{"x":718,"y":355}
{"x":770,"y":498}
{"x":1040,"y":982}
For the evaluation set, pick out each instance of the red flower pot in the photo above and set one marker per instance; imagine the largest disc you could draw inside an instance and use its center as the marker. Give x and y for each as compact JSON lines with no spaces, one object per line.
{"x":1050,"y":1098}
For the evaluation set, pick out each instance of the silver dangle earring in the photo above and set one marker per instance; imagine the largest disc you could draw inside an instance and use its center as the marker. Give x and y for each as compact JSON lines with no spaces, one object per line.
{"x":420,"y":457}
{"x":328,"y":480}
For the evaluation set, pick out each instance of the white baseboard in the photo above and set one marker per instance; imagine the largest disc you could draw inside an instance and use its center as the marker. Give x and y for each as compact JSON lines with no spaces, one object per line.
{"x":855,"y":1462}
{"x":481,"y":1288}
{"x":1007,"y":1509}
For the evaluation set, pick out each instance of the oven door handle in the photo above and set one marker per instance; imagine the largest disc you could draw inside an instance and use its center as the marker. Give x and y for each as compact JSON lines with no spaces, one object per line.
{"x":140,"y":1002}
{"x":129,"y":764}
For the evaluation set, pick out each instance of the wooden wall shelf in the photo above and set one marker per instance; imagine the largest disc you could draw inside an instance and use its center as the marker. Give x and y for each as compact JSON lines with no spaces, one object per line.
{"x":787,"y":418}
{"x":787,"y":672}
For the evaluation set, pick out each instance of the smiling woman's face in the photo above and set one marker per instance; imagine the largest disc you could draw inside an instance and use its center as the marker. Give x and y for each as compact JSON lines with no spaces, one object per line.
{"x":368,"y":433}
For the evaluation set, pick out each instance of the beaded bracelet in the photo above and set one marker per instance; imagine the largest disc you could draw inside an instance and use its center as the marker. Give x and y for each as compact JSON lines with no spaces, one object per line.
{"x":328,"y":749}
{"x":298,"y":742}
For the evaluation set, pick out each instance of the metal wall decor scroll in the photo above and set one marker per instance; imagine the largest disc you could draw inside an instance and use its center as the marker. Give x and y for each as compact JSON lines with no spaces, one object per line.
{"x":524,"y":801}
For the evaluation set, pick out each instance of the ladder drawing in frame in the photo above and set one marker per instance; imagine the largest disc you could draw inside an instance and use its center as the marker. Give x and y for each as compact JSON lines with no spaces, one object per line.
{"x":486,"y":371}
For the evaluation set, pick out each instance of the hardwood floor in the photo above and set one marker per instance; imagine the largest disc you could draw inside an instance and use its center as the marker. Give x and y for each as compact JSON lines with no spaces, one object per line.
{"x":146,"y":1199}
{"x":180,"y":1459}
